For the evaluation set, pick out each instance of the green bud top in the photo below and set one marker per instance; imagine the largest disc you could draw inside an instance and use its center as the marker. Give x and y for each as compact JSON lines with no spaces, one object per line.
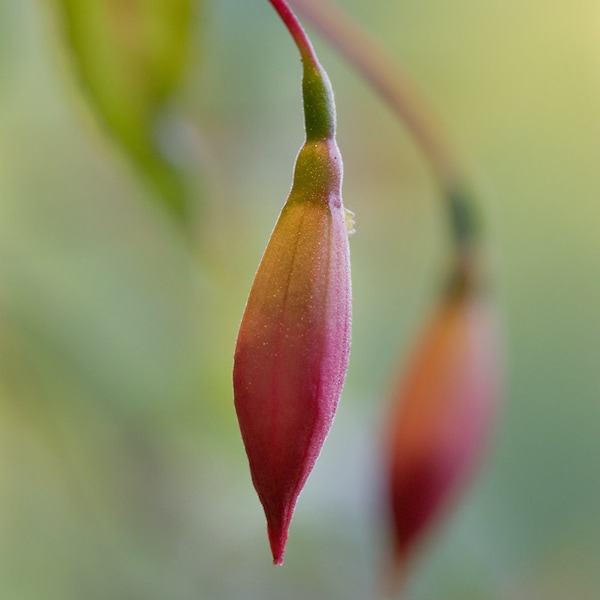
{"x":318,"y":173}
{"x":319,"y":106}
{"x":464,"y":220}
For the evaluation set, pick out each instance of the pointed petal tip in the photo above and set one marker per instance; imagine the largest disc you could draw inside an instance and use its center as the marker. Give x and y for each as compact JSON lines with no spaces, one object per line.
{"x":278,"y":551}
{"x":277,"y":540}
{"x":393,"y":578}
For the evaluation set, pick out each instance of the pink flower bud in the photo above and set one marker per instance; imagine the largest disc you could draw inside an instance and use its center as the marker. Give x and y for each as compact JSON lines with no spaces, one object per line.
{"x":442,"y":417}
{"x":294,"y":340}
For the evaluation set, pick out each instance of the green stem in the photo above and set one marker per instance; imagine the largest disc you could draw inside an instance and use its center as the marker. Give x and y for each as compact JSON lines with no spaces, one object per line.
{"x":366,"y":55}
{"x":319,"y":106}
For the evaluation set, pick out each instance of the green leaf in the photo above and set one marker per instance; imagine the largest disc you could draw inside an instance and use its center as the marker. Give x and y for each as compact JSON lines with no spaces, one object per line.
{"x":130,"y":55}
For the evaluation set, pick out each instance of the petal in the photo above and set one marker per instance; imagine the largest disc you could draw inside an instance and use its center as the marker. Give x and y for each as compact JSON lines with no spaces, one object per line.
{"x":292,"y":354}
{"x":442,"y":417}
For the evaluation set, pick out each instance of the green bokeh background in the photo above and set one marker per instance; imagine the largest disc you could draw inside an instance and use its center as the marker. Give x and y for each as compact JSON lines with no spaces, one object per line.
{"x":122,"y":474}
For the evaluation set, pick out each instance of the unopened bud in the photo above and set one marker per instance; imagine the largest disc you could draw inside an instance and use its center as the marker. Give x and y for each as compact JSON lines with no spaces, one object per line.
{"x":293,"y":345}
{"x":442,"y":416}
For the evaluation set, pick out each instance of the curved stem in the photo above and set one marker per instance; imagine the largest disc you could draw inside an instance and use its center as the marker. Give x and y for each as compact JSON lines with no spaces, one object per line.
{"x":319,"y":106}
{"x":298,"y":34}
{"x":367,"y":56}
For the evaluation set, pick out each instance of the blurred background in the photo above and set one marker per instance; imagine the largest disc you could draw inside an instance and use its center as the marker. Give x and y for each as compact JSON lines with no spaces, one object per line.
{"x":122,"y":473}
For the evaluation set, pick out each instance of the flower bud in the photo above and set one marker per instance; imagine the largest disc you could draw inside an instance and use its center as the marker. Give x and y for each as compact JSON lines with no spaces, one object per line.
{"x":442,"y":416}
{"x":294,"y":340}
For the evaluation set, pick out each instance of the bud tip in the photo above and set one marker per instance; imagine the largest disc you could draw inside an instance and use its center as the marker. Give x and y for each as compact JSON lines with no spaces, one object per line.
{"x":277,"y":541}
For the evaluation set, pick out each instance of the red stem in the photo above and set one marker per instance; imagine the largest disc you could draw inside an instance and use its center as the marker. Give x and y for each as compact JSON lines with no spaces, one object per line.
{"x":296,"y":31}
{"x":369,"y":58}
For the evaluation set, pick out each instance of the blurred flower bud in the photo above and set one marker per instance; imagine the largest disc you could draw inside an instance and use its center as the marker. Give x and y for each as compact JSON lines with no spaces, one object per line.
{"x":294,"y":340}
{"x":442,"y":416}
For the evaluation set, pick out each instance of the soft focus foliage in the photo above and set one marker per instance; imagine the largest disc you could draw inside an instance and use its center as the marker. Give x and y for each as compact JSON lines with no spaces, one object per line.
{"x":130,"y":55}
{"x":122,"y":474}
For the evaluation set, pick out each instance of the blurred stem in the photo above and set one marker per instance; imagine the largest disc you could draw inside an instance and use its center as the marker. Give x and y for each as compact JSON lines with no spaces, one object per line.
{"x":373,"y":62}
